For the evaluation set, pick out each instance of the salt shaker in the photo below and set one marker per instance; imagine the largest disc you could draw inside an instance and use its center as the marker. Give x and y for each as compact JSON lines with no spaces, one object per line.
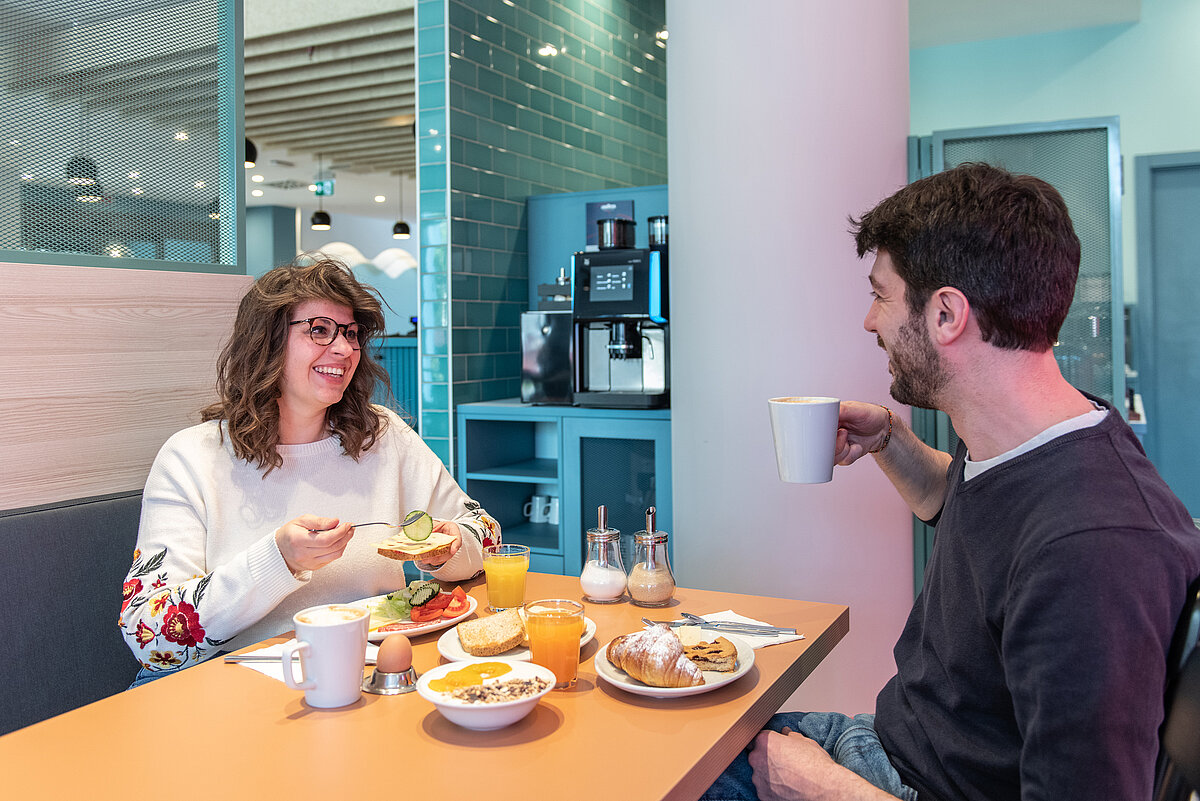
{"x":651,"y":582}
{"x":603,"y":577}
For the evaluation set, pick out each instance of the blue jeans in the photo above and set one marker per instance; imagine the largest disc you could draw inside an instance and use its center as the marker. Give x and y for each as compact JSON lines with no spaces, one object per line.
{"x":852,"y":742}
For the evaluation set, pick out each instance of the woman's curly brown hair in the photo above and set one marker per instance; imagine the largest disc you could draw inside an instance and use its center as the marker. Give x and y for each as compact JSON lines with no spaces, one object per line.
{"x":250,"y":367}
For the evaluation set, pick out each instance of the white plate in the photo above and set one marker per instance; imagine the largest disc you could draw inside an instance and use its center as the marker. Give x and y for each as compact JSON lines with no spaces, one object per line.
{"x":412,"y":629}
{"x":712,"y":679}
{"x":449,"y":646}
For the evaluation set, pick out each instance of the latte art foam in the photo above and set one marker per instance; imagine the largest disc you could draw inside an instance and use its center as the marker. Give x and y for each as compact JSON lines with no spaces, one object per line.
{"x":329,"y":615}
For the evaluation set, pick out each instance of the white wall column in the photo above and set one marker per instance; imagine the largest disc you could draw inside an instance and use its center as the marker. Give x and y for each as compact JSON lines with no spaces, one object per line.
{"x":784,"y":117}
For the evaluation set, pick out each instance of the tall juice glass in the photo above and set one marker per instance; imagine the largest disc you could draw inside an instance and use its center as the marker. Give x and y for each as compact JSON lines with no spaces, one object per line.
{"x":555,"y":627}
{"x":505,"y":567}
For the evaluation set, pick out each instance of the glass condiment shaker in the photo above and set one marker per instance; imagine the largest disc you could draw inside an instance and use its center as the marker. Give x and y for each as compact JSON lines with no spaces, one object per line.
{"x":651,"y":582}
{"x":603,"y":577}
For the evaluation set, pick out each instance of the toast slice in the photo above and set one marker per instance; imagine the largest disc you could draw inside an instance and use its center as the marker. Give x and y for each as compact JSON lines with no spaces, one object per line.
{"x":489,"y":636}
{"x":399,"y":547}
{"x":720,"y":655}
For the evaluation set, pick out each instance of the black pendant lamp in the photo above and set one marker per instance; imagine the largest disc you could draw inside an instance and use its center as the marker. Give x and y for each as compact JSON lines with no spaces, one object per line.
{"x":251,"y":153}
{"x":400,"y":229}
{"x":320,"y":220}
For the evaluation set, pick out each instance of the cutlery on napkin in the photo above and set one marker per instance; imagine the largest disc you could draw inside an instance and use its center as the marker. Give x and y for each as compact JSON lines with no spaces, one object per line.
{"x":755,"y":641}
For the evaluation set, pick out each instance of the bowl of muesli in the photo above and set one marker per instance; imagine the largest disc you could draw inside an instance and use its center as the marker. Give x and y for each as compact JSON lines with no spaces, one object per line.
{"x":485,"y":694}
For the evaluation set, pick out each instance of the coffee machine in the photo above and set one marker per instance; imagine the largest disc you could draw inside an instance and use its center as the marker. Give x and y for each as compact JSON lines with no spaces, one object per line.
{"x":621,"y":340}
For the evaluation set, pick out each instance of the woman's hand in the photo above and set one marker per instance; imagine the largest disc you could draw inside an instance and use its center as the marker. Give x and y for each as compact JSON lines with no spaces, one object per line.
{"x":861,"y":429}
{"x":310,"y":542}
{"x":446,"y":527}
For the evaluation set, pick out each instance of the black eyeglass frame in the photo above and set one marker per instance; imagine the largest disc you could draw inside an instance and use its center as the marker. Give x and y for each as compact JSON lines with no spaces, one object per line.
{"x":361,"y":333}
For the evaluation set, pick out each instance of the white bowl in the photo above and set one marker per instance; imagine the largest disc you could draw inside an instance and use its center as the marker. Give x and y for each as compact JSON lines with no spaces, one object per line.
{"x":485,"y":717}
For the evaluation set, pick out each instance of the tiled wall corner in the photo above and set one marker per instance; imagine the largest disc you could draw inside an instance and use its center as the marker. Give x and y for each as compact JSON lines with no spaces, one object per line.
{"x":526,"y":98}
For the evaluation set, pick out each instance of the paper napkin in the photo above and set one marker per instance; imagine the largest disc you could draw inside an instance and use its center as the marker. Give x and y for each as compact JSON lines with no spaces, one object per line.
{"x":754,"y":640}
{"x":275,"y":669}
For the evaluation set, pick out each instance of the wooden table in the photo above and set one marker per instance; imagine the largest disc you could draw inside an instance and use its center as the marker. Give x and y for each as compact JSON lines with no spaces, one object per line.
{"x":223,"y":731}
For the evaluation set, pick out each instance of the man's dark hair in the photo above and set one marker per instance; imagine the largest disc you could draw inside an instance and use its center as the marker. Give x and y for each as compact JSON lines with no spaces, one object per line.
{"x":1003,"y":240}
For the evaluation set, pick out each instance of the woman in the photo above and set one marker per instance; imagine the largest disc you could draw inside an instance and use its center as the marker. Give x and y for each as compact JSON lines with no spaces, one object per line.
{"x":247,"y":517}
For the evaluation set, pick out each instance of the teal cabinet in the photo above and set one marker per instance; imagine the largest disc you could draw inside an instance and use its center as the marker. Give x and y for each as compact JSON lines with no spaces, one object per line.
{"x":508,"y":452}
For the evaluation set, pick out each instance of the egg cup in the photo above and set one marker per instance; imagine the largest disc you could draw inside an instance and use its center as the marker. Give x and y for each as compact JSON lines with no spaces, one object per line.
{"x":380,"y":683}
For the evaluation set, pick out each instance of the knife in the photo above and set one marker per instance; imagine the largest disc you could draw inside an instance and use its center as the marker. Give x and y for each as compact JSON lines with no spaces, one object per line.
{"x":268,"y":658}
{"x":732,"y":628}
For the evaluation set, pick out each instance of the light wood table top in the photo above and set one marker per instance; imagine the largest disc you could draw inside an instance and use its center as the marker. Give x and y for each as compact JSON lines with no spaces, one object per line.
{"x":223,"y":731}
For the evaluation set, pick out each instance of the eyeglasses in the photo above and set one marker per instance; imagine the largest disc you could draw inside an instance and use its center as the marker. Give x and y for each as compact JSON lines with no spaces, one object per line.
{"x":323,"y":331}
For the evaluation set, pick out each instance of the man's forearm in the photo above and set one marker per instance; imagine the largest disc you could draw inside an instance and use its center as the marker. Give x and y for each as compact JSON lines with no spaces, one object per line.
{"x":917,"y":471}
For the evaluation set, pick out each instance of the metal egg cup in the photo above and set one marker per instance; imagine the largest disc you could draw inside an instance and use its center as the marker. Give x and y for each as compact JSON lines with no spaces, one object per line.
{"x":380,"y":683}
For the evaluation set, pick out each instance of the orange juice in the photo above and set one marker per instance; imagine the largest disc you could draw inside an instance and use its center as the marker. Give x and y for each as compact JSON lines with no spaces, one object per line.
{"x":554,"y":629}
{"x":505,"y":567}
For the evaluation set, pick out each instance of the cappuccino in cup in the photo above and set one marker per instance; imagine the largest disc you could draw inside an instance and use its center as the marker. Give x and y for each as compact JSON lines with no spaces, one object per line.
{"x":331,"y":647}
{"x":805,"y":432}
{"x":327,"y":615}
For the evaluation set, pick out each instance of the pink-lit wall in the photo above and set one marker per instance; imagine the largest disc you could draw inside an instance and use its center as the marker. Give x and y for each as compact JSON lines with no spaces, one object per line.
{"x":784,"y":118}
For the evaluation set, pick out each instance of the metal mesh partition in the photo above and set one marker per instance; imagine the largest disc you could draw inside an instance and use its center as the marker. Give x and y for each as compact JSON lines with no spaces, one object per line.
{"x":121,"y":130}
{"x":1076,"y":163}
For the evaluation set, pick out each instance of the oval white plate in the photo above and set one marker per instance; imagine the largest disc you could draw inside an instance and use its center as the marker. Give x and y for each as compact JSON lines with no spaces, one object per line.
{"x":449,"y":646}
{"x":412,"y":629}
{"x":712,"y":679}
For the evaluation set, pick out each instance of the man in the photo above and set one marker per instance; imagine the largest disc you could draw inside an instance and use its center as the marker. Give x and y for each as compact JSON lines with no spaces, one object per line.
{"x":1033,"y":664}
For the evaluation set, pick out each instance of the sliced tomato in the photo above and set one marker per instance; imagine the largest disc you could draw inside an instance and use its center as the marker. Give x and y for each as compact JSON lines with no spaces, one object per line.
{"x":438,"y":601}
{"x":459,"y":593}
{"x":456,"y":607}
{"x":424,"y":614}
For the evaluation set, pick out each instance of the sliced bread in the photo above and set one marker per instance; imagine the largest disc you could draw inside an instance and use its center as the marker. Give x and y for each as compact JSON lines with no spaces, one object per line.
{"x":399,"y":547}
{"x":492,"y":635}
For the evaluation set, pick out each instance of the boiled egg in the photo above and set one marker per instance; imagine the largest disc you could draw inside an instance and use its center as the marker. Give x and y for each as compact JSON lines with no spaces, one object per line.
{"x":395,"y":654}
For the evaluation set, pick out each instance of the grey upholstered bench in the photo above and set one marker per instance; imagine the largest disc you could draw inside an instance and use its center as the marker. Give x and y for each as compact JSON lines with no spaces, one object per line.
{"x":61,"y":568}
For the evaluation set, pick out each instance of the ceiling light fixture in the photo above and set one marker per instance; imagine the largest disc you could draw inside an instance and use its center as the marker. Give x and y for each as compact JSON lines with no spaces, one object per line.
{"x":400,"y":229}
{"x":251,"y":153}
{"x":321,"y":220}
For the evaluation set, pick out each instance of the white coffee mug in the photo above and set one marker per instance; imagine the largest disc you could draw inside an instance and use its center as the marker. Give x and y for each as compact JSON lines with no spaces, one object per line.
{"x":552,"y":510}
{"x":805,"y":430}
{"x":331,"y":640}
{"x":536,"y":509}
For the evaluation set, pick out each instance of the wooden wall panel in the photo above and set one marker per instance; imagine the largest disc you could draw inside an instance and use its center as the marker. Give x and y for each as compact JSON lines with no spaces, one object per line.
{"x":100,"y":367}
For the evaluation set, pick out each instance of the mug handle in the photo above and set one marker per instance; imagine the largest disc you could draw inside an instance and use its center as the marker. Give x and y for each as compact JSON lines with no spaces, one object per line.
{"x":527,"y":509}
{"x":290,"y":648}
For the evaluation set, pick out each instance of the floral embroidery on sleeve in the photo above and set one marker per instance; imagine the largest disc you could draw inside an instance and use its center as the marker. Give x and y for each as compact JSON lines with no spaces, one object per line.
{"x":481,"y":525}
{"x":168,"y":624}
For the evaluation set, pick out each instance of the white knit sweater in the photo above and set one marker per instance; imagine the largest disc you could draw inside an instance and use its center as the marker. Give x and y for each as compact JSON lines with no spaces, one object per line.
{"x":207,"y":571}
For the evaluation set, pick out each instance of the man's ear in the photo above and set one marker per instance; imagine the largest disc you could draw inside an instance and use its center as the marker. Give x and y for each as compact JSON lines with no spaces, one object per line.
{"x":947,"y":314}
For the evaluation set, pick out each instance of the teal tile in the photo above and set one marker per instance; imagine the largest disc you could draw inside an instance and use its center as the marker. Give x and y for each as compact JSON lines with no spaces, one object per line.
{"x":477,"y":50}
{"x":552,"y":129}
{"x":505,"y":162}
{"x":475,"y":155}
{"x":435,"y":286}
{"x":433,"y":232}
{"x":430,"y":40}
{"x":434,"y":368}
{"x":504,"y":112}
{"x":464,"y":179}
{"x":463,"y":71}
{"x":529,"y":120}
{"x":505,"y":61}
{"x":436,"y":341}
{"x":515,"y":92}
{"x":505,"y":212}
{"x":475,"y":102}
{"x":432,"y":122}
{"x":460,"y":15}
{"x":465,"y":340}
{"x":479,"y":314}
{"x":440,"y":447}
{"x":493,"y":288}
{"x":491,"y":133}
{"x":517,"y":141}
{"x":434,"y":424}
{"x":433,"y":262}
{"x":435,"y":312}
{"x":468,"y":392}
{"x":433,"y":175}
{"x":464,"y":286}
{"x":491,"y":185}
{"x":480,"y":367}
{"x":518,"y":45}
{"x":433,"y":204}
{"x":496,"y":340}
{"x":538,"y":10}
{"x":431,"y":68}
{"x":541,"y":101}
{"x":430,"y":12}
{"x":432,"y":150}
{"x":435,"y":395}
{"x":477,"y":208}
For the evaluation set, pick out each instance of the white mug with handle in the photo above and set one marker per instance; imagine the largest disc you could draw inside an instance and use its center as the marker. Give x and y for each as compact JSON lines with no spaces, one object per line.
{"x":537,"y":508}
{"x":331,"y":641}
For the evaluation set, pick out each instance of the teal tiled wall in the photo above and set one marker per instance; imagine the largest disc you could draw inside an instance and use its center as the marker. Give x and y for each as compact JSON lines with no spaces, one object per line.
{"x":499,"y":119}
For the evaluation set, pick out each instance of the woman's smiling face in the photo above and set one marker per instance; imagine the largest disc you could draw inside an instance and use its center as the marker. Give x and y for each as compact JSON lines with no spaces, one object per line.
{"x":315,"y":376}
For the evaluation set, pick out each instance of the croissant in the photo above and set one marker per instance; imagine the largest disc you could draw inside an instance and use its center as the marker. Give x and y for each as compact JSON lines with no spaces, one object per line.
{"x":655,"y":657}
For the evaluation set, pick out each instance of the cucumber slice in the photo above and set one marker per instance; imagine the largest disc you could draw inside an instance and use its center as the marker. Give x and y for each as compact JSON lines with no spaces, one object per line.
{"x":418,"y":525}
{"x":425,"y":593}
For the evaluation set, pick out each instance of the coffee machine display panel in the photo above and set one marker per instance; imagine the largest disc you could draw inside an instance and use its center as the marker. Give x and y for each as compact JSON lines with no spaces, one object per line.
{"x":611,"y":283}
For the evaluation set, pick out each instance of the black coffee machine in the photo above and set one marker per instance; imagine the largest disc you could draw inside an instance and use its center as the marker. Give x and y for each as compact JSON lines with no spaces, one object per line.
{"x":620,"y":316}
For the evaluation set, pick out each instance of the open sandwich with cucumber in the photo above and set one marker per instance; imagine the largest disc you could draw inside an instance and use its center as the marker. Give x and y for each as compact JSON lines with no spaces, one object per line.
{"x":416,"y":541}
{"x":419,"y":603}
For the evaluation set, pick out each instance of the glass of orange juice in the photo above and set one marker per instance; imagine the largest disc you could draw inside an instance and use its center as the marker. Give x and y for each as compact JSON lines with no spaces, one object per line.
{"x":555,"y":627}
{"x":505,"y":567}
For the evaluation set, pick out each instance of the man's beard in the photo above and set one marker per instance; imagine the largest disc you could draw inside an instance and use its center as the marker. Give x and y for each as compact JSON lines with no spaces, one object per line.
{"x":918,"y":373}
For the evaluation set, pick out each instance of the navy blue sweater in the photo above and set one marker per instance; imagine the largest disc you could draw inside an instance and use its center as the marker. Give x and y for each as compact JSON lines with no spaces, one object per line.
{"x":1033,"y":663}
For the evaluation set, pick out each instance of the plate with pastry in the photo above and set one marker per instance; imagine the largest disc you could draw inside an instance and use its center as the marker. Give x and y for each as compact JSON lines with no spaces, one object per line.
{"x":656,"y":662}
{"x":501,"y":634}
